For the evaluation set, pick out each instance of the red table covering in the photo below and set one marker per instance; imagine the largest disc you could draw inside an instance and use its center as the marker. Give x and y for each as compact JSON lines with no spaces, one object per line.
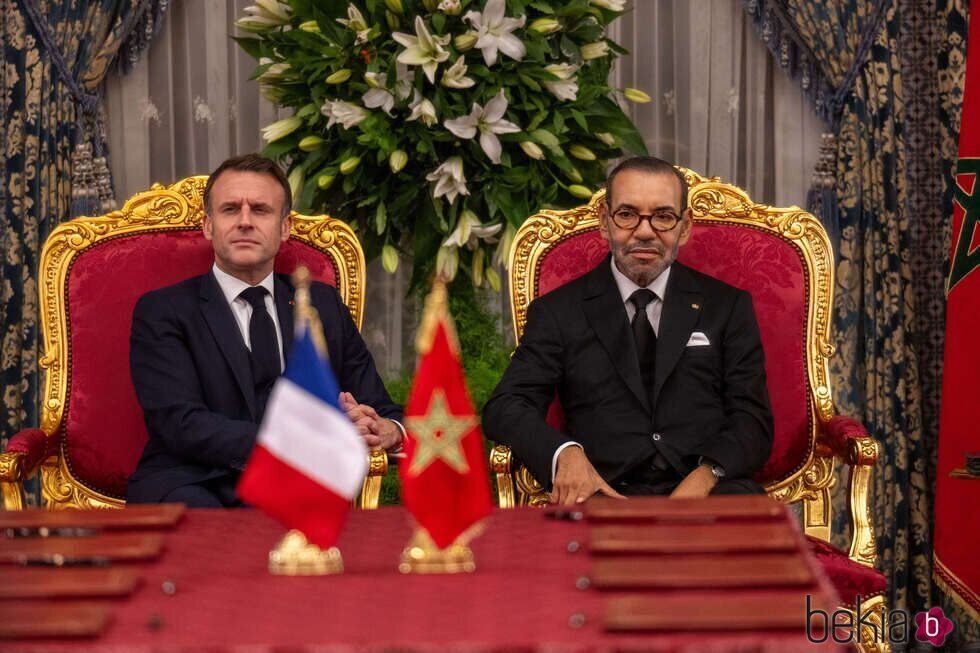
{"x":521,"y":597}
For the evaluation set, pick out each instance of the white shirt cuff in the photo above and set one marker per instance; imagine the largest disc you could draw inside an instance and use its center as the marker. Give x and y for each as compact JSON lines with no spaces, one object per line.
{"x":401,"y":445}
{"x":554,"y":458}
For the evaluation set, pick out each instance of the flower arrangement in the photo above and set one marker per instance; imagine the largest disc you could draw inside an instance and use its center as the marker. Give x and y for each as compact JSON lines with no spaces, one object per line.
{"x":437,"y":126}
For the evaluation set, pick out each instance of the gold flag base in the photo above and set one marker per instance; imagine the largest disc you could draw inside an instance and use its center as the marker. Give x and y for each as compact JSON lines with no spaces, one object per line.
{"x":295,"y":556}
{"x":422,"y":556}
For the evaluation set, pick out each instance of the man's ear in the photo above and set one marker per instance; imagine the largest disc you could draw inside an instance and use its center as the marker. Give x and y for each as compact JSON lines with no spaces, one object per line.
{"x":604,"y":220}
{"x":285,"y":227}
{"x":687,"y":224}
{"x":207,"y":227}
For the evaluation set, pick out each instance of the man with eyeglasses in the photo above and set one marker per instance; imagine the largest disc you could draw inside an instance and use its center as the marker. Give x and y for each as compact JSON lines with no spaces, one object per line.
{"x":659,"y":368}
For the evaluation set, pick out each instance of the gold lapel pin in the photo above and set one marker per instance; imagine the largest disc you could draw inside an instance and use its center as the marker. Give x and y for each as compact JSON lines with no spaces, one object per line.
{"x":695,"y":306}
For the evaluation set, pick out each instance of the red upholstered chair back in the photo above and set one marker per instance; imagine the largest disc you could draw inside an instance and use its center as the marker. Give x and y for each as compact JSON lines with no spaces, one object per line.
{"x":780,"y":256}
{"x":93,"y":270}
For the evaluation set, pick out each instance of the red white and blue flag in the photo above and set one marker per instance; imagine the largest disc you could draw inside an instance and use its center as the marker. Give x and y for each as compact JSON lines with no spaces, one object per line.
{"x":309,"y":461}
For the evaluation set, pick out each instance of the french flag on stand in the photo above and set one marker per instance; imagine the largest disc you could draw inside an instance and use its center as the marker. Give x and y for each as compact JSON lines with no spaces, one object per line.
{"x":309,"y":461}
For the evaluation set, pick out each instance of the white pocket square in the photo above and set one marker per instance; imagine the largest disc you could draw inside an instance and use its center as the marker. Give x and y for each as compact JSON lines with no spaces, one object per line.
{"x":698,"y":339}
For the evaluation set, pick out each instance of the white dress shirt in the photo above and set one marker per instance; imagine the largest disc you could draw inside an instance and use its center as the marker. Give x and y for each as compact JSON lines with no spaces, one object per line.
{"x":654,"y":309}
{"x":231,"y":288}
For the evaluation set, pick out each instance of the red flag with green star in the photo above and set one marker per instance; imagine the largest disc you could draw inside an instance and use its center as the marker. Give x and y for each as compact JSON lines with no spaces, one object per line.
{"x":444,"y":478}
{"x":958,"y":495}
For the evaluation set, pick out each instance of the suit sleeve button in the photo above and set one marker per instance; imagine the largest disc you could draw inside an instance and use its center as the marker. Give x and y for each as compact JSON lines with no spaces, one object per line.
{"x":655,"y":437}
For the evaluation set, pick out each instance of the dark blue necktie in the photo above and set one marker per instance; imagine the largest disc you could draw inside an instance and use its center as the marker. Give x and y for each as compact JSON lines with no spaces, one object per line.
{"x":643,"y":335}
{"x":264,"y":345}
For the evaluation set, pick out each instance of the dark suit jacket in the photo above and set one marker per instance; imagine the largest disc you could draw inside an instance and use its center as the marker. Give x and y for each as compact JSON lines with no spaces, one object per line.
{"x":707,"y":401}
{"x":190,"y":369}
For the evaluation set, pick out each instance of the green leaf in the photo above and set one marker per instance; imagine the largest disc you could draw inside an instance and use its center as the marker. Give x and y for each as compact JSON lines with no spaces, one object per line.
{"x":580,"y":119}
{"x":543,"y":7}
{"x":251,"y":45}
{"x":530,"y":83}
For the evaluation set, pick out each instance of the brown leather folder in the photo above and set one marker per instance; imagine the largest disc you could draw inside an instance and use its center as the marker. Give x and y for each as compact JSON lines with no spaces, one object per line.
{"x":749,"y":537}
{"x":53,"y":619}
{"x":66,"y":582}
{"x":663,"y":509}
{"x":95,"y":550}
{"x":687,"y":611}
{"x":164,"y":515}
{"x":701,"y":571}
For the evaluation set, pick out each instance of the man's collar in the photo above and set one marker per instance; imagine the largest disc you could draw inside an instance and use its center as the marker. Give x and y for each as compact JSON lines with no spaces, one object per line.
{"x":627,"y":287}
{"x":231,"y":286}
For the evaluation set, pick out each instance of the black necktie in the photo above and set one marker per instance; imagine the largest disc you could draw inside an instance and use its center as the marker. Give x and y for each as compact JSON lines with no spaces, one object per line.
{"x":643,"y":335}
{"x":264,"y":345}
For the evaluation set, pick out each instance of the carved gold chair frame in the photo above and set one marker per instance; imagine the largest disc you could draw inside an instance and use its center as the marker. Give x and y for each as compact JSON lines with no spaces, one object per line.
{"x":162,"y":208}
{"x":713,"y":201}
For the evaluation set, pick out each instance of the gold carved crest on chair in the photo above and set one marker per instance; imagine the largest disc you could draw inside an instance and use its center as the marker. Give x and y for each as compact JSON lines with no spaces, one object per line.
{"x":92,"y":271}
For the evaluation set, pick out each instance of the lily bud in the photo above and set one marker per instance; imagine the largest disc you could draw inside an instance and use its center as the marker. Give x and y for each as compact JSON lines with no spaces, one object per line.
{"x":574,"y":175}
{"x":636,"y":95}
{"x":389,"y":259}
{"x":310,"y":26}
{"x":397,"y":160}
{"x":545,"y":25}
{"x":532,"y":150}
{"x":350,"y":165}
{"x":392,"y":20}
{"x":281,"y":128}
{"x":310,"y":143}
{"x":430,"y":5}
{"x":606,"y":138}
{"x":339,"y":77}
{"x":465,"y":41}
{"x":296,"y":179}
{"x":395,"y":6}
{"x":450,"y":7}
{"x":594,"y":50}
{"x":325,"y":181}
{"x":493,"y":279}
{"x":447,"y":262}
{"x":581,"y":152}
{"x":580,"y":191}
{"x":476,"y":272}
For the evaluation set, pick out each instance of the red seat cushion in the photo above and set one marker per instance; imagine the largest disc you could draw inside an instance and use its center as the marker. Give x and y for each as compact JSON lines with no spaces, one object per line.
{"x":771,"y":270}
{"x":851,"y":579}
{"x":103,"y":428}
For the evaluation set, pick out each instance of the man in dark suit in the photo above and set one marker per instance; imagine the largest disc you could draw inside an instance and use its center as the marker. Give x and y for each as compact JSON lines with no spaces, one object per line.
{"x":204,"y":353}
{"x":659,"y":368}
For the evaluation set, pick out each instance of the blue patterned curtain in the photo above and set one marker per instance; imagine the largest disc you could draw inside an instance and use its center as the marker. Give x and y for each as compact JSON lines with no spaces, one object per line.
{"x":54,"y":55}
{"x":887,"y":77}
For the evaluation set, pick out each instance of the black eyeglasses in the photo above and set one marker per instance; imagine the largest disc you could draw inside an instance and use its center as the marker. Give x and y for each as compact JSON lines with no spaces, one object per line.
{"x":659,"y":220}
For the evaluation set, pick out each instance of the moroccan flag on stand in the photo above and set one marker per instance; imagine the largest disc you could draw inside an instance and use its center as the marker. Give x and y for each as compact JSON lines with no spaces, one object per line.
{"x":957,"y":531}
{"x":444,"y":478}
{"x":309,"y":461}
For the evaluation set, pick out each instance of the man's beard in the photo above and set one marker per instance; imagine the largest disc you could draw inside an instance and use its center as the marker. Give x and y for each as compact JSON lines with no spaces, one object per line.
{"x":644,"y":274}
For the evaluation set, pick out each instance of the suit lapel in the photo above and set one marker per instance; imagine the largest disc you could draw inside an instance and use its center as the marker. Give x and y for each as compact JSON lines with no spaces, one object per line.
{"x":284,"y":311}
{"x":606,"y":313}
{"x":226,"y":334}
{"x":679,"y":316}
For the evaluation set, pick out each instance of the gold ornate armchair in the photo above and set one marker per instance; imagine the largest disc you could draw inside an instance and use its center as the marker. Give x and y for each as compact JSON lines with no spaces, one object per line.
{"x":783,"y":258}
{"x":92,"y":271}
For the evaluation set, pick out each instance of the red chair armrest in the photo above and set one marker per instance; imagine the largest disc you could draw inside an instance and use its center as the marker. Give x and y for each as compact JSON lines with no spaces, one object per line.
{"x":844,"y":437}
{"x":33,"y":445}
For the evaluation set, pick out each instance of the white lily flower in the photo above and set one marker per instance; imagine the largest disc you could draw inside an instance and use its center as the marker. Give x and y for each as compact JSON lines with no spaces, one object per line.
{"x":501,"y":255}
{"x":449,"y":178}
{"x":264,"y":15}
{"x":422,"y":108}
{"x":356,"y":23}
{"x":275,"y":72}
{"x":489,"y":122}
{"x":447,"y":262}
{"x":278,"y":129}
{"x":612,"y":5}
{"x":469,"y":231}
{"x":455,"y":76}
{"x":566,"y":86}
{"x":379,"y":97}
{"x":423,"y":49}
{"x":256,"y":24}
{"x":494,"y":30}
{"x":404,"y":81}
{"x":347,"y":114}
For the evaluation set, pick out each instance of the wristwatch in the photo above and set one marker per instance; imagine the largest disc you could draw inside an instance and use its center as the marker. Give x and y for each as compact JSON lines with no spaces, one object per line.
{"x":718,"y":471}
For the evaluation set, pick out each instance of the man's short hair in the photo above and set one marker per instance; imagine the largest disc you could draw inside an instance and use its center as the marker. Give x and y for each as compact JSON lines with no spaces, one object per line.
{"x":651,"y":165}
{"x":251,"y":163}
